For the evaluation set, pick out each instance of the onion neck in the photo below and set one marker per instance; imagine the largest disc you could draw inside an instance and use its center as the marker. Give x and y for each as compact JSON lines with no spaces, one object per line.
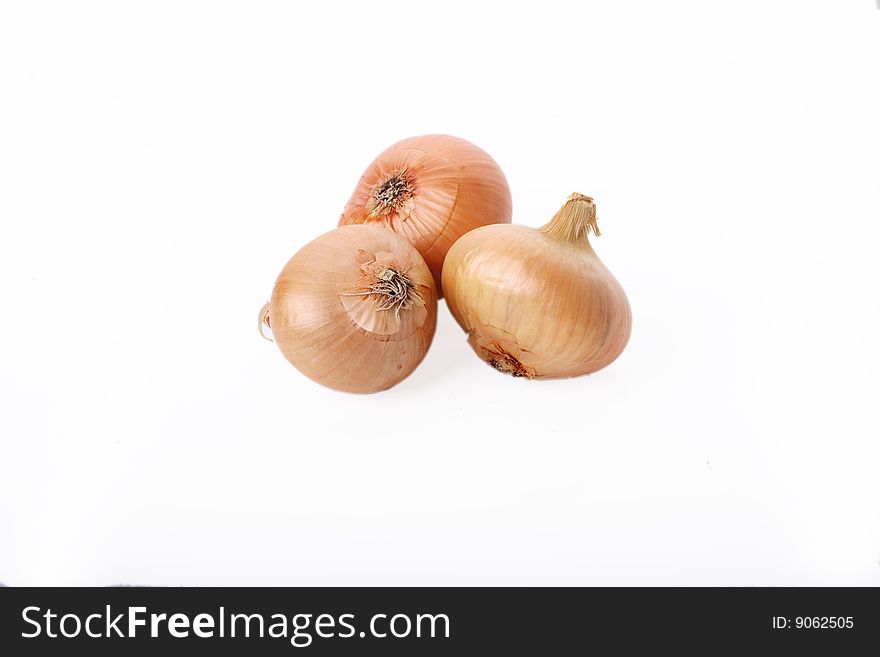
{"x":574,"y":221}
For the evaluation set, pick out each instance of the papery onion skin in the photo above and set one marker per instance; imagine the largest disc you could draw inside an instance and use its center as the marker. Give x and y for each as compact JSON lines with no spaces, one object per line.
{"x":431,"y":190}
{"x":329,"y":324}
{"x":538,"y":303}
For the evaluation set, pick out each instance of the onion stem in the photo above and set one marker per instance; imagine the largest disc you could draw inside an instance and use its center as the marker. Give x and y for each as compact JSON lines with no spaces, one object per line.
{"x":263,"y":324}
{"x":575,"y":220}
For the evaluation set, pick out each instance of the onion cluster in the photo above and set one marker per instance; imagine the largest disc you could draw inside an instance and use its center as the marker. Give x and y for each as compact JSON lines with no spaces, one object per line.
{"x":356,"y":308}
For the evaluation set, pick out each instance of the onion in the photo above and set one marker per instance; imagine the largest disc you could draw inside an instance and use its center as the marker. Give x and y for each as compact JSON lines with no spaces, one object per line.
{"x":538,"y":303}
{"x":431,"y":190}
{"x":354,"y":310}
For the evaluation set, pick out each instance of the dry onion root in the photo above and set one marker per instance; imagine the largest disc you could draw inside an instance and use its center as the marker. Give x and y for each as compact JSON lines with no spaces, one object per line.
{"x":431,"y":190}
{"x":538,"y":303}
{"x":354,"y":310}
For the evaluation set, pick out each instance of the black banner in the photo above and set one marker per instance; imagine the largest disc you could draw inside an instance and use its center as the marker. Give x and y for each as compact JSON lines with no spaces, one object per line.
{"x":444,"y":621}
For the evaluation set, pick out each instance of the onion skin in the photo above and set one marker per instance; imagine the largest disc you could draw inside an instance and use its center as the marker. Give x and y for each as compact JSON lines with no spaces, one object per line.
{"x":331,"y":327}
{"x":538,"y":303}
{"x":442,"y":187}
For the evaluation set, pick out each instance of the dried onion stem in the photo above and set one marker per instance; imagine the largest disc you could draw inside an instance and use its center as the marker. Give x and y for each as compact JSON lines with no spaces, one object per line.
{"x":263,"y":323}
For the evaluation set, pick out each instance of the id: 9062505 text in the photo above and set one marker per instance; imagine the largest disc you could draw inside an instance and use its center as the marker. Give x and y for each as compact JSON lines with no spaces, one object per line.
{"x":813,"y":623}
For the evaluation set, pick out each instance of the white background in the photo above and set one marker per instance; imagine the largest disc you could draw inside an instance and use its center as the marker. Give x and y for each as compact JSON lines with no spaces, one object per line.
{"x":161,"y":161}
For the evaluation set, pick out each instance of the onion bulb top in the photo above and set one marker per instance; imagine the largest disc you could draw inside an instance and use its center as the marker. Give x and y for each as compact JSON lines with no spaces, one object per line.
{"x":431,"y":190}
{"x":355,"y":309}
{"x":538,"y":303}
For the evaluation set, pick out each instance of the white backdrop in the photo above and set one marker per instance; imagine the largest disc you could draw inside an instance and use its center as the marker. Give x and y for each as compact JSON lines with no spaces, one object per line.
{"x":161,"y":161}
